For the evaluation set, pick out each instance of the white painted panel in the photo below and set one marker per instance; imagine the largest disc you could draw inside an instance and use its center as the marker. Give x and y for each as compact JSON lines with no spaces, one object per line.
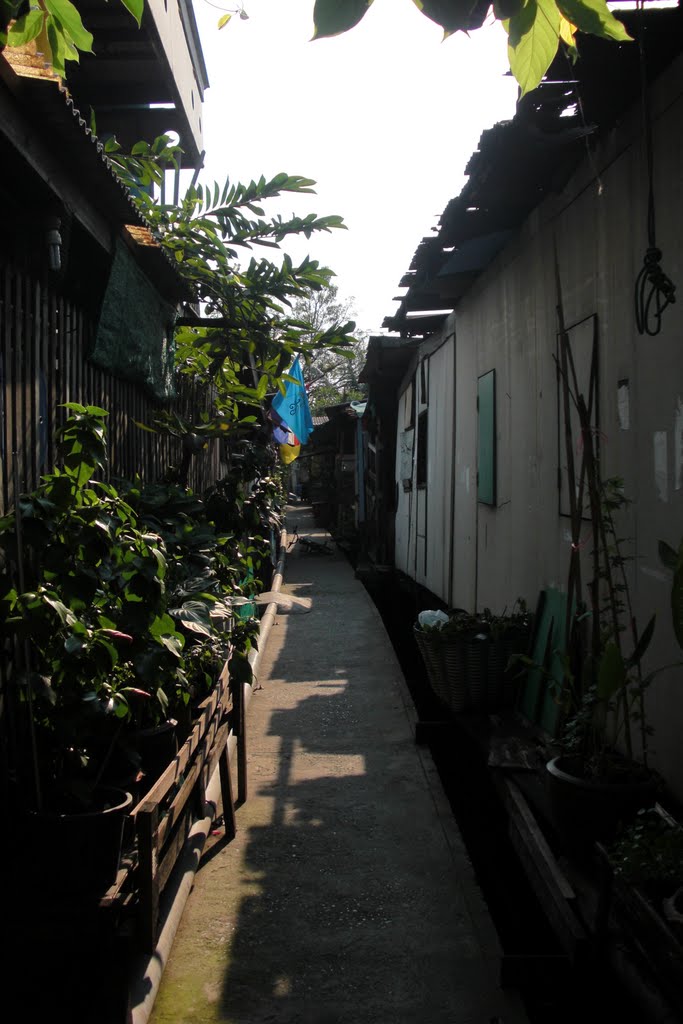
{"x":440,"y":471}
{"x":404,"y":499}
{"x":464,"y":558}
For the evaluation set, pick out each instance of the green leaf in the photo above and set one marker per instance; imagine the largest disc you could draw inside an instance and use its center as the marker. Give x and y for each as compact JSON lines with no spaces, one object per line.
{"x":143,"y":426}
{"x":262,"y":388}
{"x":55,"y":37}
{"x":533,"y":40}
{"x":70,"y":20}
{"x":667,"y":555}
{"x":611,"y":673}
{"x":332,"y":17}
{"x":194,"y":615}
{"x":26,"y":28}
{"x":504,"y":9}
{"x":74,"y":644}
{"x":454,"y":15}
{"x":595,"y":17}
{"x":643,"y":643}
{"x":136,"y":7}
{"x":677,"y":605}
{"x":161,"y":625}
{"x":223,"y":20}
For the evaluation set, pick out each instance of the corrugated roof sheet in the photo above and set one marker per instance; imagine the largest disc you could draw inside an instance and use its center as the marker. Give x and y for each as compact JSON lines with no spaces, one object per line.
{"x":519,"y":162}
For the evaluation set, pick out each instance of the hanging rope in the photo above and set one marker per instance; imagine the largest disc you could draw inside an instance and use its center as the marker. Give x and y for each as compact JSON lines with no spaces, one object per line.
{"x":654,"y":291}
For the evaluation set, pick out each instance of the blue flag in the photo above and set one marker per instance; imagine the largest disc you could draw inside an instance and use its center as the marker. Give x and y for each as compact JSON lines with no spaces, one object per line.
{"x":292,"y":407}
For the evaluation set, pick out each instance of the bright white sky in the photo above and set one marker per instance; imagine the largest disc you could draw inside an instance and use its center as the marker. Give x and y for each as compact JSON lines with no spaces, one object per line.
{"x":384,"y":118}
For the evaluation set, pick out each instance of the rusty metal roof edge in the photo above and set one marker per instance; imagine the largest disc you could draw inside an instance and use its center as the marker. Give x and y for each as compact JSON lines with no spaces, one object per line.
{"x":99,"y":146}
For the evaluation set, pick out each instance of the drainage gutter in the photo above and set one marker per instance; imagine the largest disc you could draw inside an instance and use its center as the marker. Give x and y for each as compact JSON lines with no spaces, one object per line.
{"x":148,"y":971}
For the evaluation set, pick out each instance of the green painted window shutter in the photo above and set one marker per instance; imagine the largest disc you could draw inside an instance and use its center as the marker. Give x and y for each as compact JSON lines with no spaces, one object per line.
{"x":486,"y":453}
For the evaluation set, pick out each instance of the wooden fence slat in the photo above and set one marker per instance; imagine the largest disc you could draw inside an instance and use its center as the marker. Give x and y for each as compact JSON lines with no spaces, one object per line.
{"x":6,"y":357}
{"x":147,"y":823}
{"x":34,"y":384}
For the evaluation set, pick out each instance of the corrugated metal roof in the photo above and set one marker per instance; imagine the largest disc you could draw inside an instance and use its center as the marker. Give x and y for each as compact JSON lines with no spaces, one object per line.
{"x":519,"y":162}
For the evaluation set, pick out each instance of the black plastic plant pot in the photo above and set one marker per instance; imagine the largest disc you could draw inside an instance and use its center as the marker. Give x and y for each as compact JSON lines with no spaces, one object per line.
{"x":78,"y":852}
{"x":588,"y":809}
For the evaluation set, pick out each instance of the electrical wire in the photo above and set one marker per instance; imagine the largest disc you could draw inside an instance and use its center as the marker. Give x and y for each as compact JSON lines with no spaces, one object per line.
{"x":654,"y":291}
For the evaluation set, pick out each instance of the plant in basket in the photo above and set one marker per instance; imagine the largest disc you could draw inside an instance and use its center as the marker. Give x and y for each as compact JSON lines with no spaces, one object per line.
{"x":465,"y":652}
{"x":509,"y":633}
{"x":428,"y":637}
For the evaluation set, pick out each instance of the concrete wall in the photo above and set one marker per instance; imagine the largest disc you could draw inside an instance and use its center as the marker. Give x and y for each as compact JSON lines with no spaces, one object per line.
{"x":508,"y":322}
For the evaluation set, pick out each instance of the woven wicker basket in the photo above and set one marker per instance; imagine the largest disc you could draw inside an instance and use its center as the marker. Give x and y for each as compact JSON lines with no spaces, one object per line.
{"x":431,"y":646}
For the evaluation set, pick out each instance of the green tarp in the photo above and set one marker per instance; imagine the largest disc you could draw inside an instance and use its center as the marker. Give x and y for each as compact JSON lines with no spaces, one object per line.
{"x":134,"y":337}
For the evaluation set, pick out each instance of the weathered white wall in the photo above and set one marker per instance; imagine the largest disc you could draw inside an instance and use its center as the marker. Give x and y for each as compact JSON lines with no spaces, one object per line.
{"x":508,"y":322}
{"x":424,"y":530}
{"x":404,"y":504}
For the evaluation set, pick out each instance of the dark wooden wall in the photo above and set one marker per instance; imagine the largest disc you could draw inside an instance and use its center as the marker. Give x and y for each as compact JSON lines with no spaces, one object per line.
{"x":44,"y":344}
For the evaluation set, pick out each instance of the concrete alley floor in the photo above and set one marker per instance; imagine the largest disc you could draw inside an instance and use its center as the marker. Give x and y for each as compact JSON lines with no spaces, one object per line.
{"x":347,"y":896}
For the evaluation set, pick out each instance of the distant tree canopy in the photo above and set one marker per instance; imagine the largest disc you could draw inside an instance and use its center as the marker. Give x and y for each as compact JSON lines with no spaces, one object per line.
{"x":331,"y":376}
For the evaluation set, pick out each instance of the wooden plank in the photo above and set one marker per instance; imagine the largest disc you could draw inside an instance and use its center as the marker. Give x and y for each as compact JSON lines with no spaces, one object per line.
{"x":170,"y":857}
{"x":6,"y":356}
{"x":15,"y":405}
{"x":553,"y":889}
{"x":218,"y":746}
{"x":229,"y":817}
{"x":46,"y":407}
{"x":179,"y":764}
{"x":52,"y":371}
{"x":529,"y":970}
{"x":34,"y":385}
{"x":146,"y":824}
{"x":238,"y":702}
{"x":118,"y":892}
{"x":185,"y":791}
{"x":519,"y":809}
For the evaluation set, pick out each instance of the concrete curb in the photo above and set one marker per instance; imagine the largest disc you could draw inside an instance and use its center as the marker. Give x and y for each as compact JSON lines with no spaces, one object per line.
{"x":146,"y":976}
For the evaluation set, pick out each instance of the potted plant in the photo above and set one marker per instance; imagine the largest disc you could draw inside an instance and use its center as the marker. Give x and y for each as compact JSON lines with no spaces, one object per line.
{"x":428,"y":637}
{"x":509,"y":635}
{"x":466,"y":648}
{"x":83,"y":595}
{"x":602,"y":776}
{"x":644,"y":867}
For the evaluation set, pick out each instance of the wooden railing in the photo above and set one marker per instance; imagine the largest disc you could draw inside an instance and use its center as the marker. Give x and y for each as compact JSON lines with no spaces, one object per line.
{"x":158,"y":827}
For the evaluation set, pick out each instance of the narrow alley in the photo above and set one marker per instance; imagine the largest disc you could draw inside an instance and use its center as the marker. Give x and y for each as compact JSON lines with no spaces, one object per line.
{"x":347,"y":894}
